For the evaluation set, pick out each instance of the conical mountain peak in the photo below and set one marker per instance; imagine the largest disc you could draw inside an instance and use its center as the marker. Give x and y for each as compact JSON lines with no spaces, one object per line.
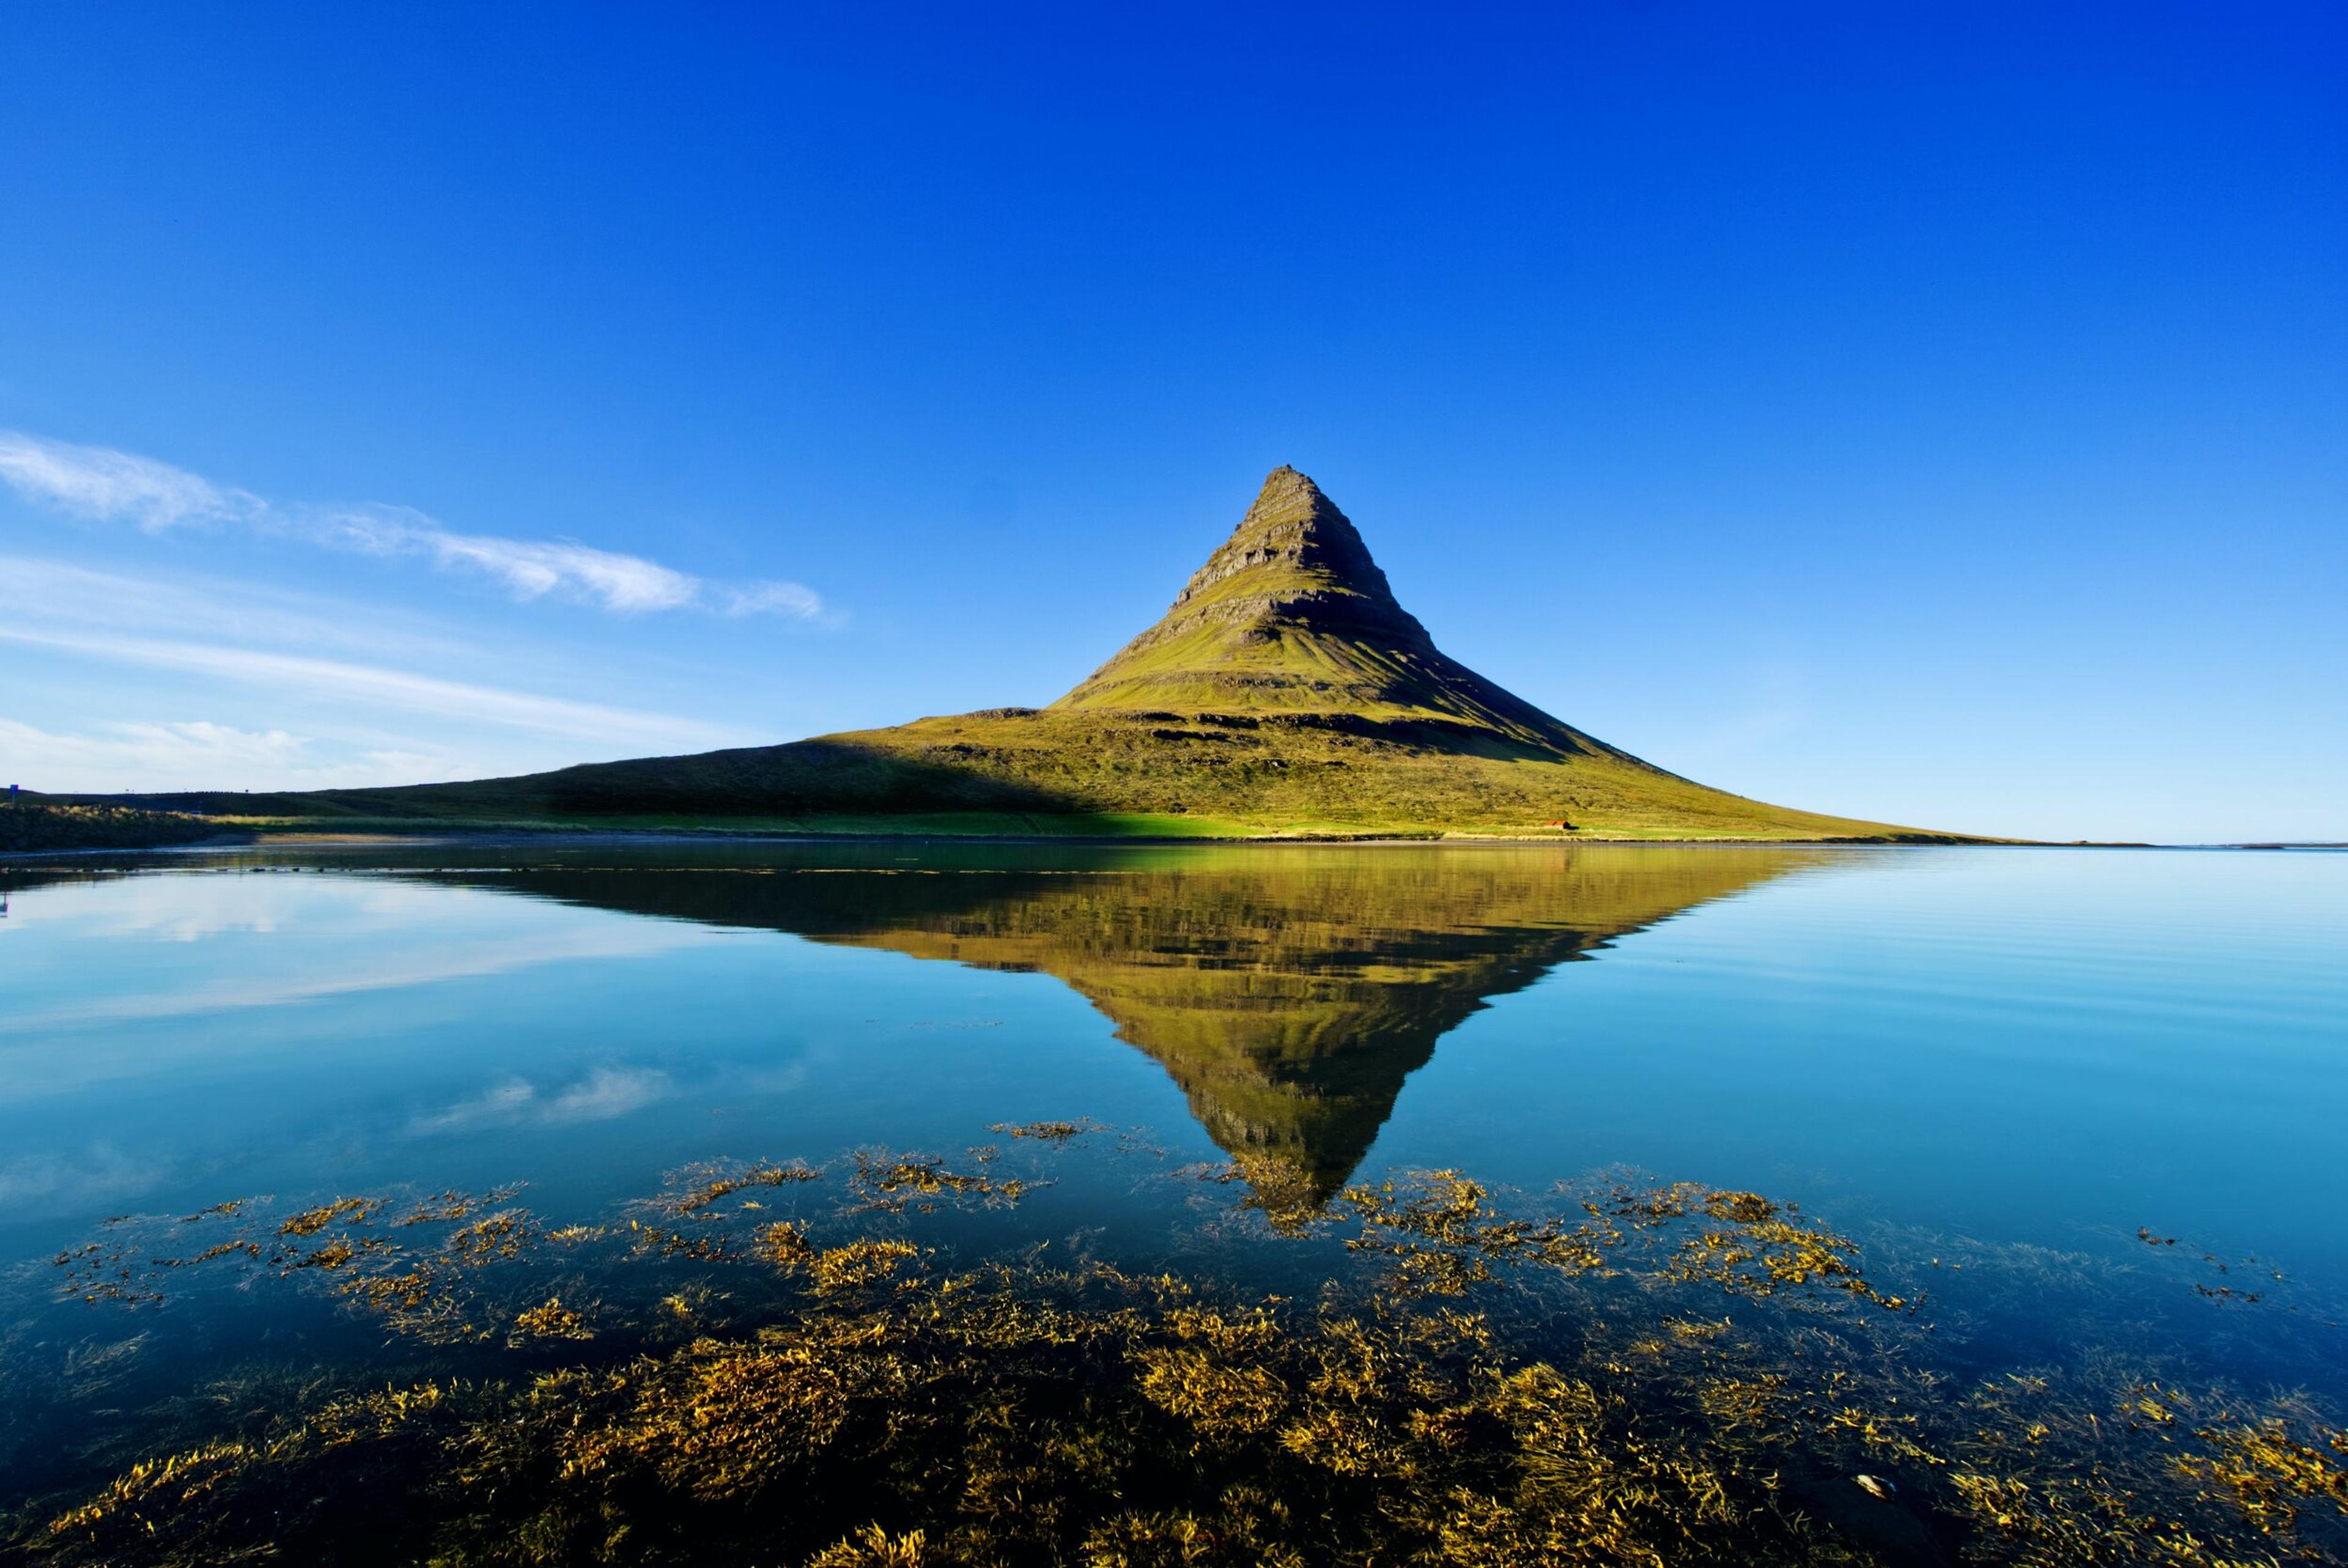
{"x":1295,"y":557}
{"x":1284,"y":692}
{"x":1291,"y":614}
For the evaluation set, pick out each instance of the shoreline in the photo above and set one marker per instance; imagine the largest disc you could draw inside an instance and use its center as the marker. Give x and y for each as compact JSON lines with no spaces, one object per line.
{"x":510,"y":836}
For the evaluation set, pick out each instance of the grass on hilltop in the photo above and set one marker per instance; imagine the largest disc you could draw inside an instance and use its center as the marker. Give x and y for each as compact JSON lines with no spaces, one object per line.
{"x":1019,"y":773}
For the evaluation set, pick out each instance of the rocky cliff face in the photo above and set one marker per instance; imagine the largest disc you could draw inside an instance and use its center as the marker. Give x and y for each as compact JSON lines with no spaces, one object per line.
{"x":1293,"y":614}
{"x":1294,"y":562}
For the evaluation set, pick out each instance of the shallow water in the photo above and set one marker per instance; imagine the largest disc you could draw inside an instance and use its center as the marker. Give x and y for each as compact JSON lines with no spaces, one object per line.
{"x":2012,"y":1074}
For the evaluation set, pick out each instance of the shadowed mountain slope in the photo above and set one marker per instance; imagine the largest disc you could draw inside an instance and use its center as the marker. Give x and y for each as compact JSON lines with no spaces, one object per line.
{"x":1284,"y":693}
{"x":1288,"y":993}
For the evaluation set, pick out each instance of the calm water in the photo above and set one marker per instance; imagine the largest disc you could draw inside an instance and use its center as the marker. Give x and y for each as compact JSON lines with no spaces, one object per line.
{"x":2014,"y":1045}
{"x":1958,"y":1053}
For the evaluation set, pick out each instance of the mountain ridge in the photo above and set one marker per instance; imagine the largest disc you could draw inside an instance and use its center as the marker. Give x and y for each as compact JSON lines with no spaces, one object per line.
{"x":1292,"y":613}
{"x":1284,"y":693}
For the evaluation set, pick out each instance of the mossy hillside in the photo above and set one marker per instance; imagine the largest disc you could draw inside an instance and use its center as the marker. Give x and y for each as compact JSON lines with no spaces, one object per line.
{"x":1085,"y":772}
{"x":1306,"y":772}
{"x":1284,"y":693}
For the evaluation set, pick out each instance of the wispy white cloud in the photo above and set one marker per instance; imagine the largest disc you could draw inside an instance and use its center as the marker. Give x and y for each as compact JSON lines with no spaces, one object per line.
{"x":97,"y":482}
{"x":192,"y":606}
{"x":100,"y":483}
{"x":334,"y":680}
{"x":351,"y":668}
{"x":529,"y":569}
{"x":774,"y":598}
{"x":196,"y":755}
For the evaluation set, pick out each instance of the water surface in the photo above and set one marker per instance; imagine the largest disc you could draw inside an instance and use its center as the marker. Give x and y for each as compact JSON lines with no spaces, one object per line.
{"x":2136,"y":1062}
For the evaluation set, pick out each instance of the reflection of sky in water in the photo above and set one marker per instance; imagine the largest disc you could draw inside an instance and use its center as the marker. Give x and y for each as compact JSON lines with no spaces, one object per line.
{"x":2014,"y":1045}
{"x":168,"y":1037}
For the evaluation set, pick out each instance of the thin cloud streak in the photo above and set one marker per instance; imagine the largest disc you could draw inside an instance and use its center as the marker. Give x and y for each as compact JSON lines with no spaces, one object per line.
{"x":337,"y":680}
{"x":775,"y":599}
{"x":100,"y":483}
{"x":528,"y":570}
{"x":196,"y":753}
{"x":56,"y":592}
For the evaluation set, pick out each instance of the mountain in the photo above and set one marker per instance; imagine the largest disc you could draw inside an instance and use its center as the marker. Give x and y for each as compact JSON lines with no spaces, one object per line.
{"x":1287,"y":993}
{"x":1293,"y":616}
{"x":1285,"y":692}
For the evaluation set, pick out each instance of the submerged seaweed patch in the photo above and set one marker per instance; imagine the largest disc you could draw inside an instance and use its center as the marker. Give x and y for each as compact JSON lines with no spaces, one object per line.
{"x":1048,"y":1131}
{"x":1639,"y":1374}
{"x":895,"y":1184}
{"x":700,"y":1188}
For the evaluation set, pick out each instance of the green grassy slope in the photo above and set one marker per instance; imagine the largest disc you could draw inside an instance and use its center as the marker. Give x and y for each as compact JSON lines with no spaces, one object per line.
{"x":1284,"y":693}
{"x":28,"y":825}
{"x":1101,"y":773}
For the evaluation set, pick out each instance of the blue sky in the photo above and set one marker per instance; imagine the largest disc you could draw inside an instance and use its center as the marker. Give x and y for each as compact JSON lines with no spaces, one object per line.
{"x":1936,"y":413}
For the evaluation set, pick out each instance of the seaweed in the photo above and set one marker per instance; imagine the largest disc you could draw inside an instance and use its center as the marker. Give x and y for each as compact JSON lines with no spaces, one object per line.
{"x":1634,"y":1374}
{"x":893,"y":1184}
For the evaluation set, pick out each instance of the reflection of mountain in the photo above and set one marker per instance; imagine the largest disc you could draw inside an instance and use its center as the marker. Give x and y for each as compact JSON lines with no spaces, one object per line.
{"x":1288,"y":993}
